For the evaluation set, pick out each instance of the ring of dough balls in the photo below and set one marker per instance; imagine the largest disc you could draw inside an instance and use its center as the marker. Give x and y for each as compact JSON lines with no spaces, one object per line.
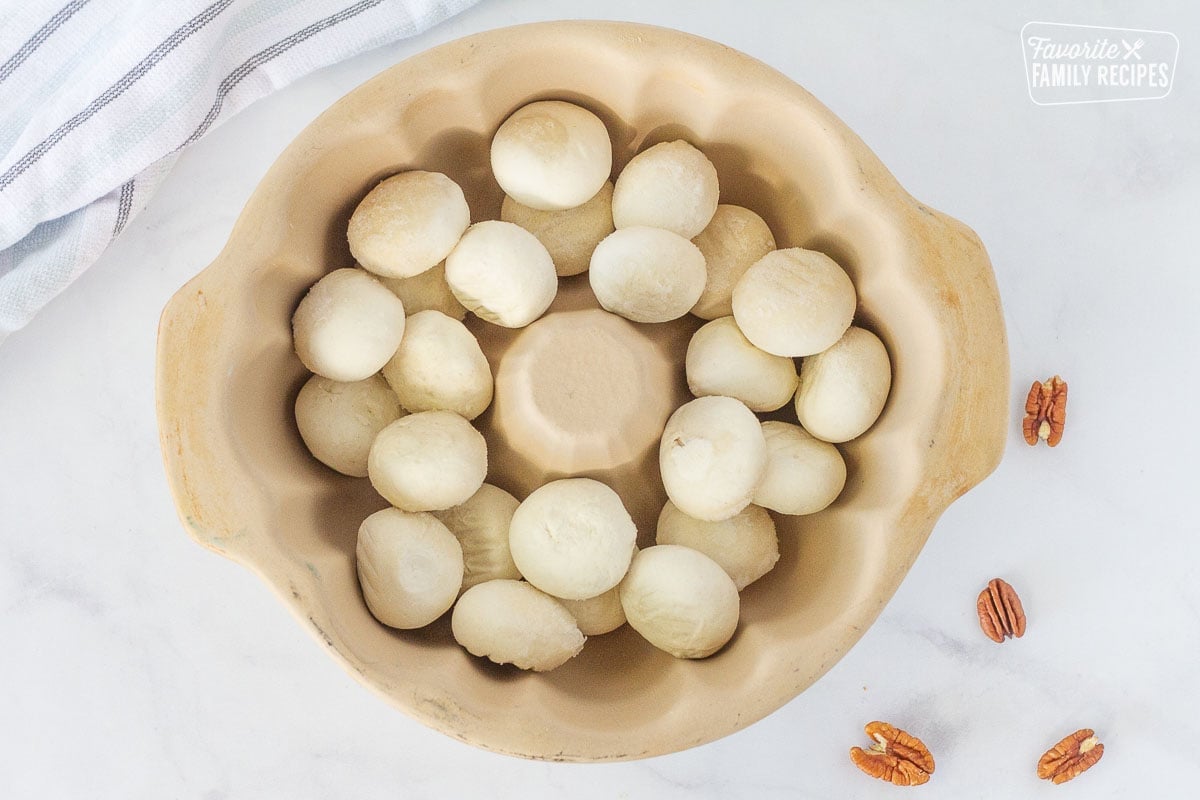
{"x":569,"y":236}
{"x":647,"y":274}
{"x":410,"y":567}
{"x":712,"y":457}
{"x":804,"y":474}
{"x":408,"y":223}
{"x":794,"y":302}
{"x":721,"y":361}
{"x":843,"y":389}
{"x":745,"y":545}
{"x":597,"y":615}
{"x":439,"y":366}
{"x":511,"y":622}
{"x":503,"y":273}
{"x":347,"y":326}
{"x":429,"y":461}
{"x":481,"y":527}
{"x":671,"y":185}
{"x":425,"y":292}
{"x":734,"y":239}
{"x":680,"y":600}
{"x":339,"y":421}
{"x":551,"y":155}
{"x":572,"y":538}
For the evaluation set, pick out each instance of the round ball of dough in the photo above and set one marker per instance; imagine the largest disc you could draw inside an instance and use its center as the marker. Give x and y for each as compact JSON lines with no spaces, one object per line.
{"x":439,"y":366}
{"x":569,"y":236}
{"x":843,"y":389}
{"x":671,"y":186}
{"x":339,"y":421}
{"x":680,"y":600}
{"x":572,"y":538}
{"x":511,"y":622}
{"x":410,"y":567}
{"x":745,"y":545}
{"x":408,"y":223}
{"x":647,"y":274}
{"x":598,"y":615}
{"x":712,"y":457}
{"x":502,"y":272}
{"x":425,"y":292}
{"x":347,"y":326}
{"x":804,"y":474}
{"x":481,"y":527}
{"x":428,"y":461}
{"x":734,"y":239}
{"x":721,"y":361}
{"x":551,"y":155}
{"x":794,"y":302}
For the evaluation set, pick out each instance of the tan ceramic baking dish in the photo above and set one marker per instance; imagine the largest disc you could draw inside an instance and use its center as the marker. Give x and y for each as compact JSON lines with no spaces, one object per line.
{"x":246,"y":488}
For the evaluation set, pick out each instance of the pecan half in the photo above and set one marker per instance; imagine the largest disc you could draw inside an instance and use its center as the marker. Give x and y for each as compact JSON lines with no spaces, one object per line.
{"x":1045,"y":412}
{"x":1075,"y":754}
{"x":1000,"y":611}
{"x":894,"y":756}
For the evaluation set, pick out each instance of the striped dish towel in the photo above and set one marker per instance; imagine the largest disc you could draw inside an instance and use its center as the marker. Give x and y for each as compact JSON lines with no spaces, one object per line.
{"x":97,"y":98}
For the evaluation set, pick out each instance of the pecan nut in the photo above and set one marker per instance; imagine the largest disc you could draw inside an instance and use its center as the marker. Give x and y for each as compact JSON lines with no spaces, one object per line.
{"x":1000,"y":611}
{"x":1045,"y":412}
{"x":1075,"y":754}
{"x":894,"y":755}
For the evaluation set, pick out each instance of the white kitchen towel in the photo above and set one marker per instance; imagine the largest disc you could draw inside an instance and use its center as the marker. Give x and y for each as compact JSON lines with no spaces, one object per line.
{"x":97,"y":98}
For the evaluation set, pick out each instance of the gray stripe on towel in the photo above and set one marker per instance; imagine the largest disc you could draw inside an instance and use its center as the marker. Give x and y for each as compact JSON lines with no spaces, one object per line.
{"x":156,"y":55}
{"x":124,"y":206}
{"x":43,"y":33}
{"x":263,"y":56}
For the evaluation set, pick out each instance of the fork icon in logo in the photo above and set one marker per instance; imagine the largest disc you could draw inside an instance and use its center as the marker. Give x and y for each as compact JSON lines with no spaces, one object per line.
{"x":1132,"y":49}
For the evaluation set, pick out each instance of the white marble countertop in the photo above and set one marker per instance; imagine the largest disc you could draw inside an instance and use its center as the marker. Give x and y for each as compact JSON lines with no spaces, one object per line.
{"x":138,"y":665}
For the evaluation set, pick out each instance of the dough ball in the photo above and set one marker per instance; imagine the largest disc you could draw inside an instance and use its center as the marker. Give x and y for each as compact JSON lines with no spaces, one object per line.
{"x":439,"y":366}
{"x":503,"y":273}
{"x":843,"y":389}
{"x":572,"y":538}
{"x":347,"y":326}
{"x":804,"y":474}
{"x":671,"y":186}
{"x":569,"y":236}
{"x":551,"y":155}
{"x":712,"y":457}
{"x":410,"y":567}
{"x":680,"y":600}
{"x":511,"y":622}
{"x":734,"y":239}
{"x":721,"y":361}
{"x":481,"y":527}
{"x":425,"y":292}
{"x":794,"y":302}
{"x":338,"y":421}
{"x":428,"y":461}
{"x":408,"y":223}
{"x":647,"y":274}
{"x":745,"y":545}
{"x":597,"y":615}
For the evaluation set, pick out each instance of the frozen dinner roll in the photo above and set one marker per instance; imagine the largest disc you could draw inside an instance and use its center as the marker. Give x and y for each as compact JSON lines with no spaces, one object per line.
{"x":551,"y":155}
{"x":409,"y":566}
{"x":347,"y":326}
{"x":408,"y":223}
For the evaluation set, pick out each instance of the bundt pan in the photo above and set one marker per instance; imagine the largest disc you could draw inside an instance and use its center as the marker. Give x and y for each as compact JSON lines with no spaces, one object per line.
{"x":246,"y":487}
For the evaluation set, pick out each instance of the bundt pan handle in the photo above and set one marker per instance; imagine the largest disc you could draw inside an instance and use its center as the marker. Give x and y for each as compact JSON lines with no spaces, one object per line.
{"x":969,"y":441}
{"x":193,"y":340}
